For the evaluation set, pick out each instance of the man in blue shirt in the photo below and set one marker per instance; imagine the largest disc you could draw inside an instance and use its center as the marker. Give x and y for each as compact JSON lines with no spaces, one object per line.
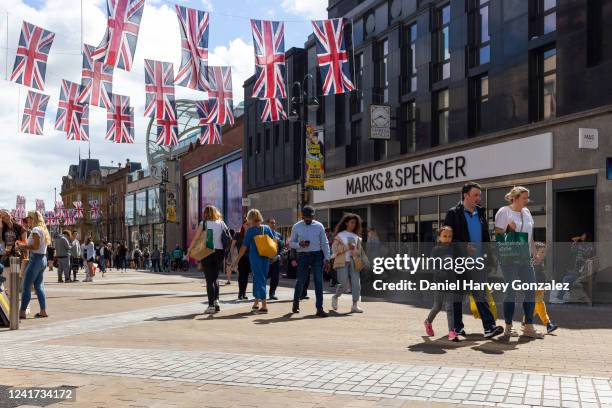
{"x":309,"y":240}
{"x":274,"y":269}
{"x":470,"y":231}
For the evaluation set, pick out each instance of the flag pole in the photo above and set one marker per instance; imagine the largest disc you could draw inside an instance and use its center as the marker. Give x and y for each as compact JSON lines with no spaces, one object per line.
{"x":353,"y":47}
{"x":6,"y":65}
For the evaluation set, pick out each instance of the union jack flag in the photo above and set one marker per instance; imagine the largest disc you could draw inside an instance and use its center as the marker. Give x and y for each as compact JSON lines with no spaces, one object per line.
{"x":120,"y":120}
{"x":32,"y":53}
{"x":95,"y":209}
{"x":119,"y":43}
{"x":210,"y":133}
{"x":167,"y":132}
{"x":40,"y":206}
{"x":50,"y":217}
{"x":194,"y":47}
{"x":69,"y":111}
{"x":84,"y":125}
{"x":78,"y":209}
{"x":69,"y":217}
{"x":269,"y":45}
{"x":273,"y":110}
{"x":219,"y":87}
{"x":34,"y":113}
{"x":96,"y":79}
{"x":20,"y":202}
{"x":59,"y":210}
{"x":159,"y":87}
{"x":332,"y":57}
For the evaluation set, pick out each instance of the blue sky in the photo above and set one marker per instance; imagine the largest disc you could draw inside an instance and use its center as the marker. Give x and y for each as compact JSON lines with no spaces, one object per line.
{"x":43,"y":160}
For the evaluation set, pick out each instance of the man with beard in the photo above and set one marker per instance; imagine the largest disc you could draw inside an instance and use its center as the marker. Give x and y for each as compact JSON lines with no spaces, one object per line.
{"x":309,"y":240}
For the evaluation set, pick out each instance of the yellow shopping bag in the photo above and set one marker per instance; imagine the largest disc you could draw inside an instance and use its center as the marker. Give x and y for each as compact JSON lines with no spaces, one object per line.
{"x":266,"y":245}
{"x":490,"y":301}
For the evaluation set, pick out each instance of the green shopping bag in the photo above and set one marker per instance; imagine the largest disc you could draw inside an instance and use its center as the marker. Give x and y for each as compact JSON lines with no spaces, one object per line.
{"x":512,"y":248}
{"x":209,"y":238}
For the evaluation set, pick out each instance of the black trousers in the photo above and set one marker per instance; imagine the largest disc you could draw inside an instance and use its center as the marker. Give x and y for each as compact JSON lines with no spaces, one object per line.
{"x":274,"y":274}
{"x":212,"y":265}
{"x":244,"y":268}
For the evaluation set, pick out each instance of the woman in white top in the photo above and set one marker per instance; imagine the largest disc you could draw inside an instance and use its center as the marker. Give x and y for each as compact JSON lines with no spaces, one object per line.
{"x":346,"y":245}
{"x":517,"y":217}
{"x":213,"y":263}
{"x":90,"y":256}
{"x":38,"y":241}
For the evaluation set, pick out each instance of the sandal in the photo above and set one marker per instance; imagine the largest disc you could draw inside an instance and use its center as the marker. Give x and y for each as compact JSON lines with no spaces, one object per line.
{"x":263,"y":310}
{"x":255,"y":308}
{"x":39,"y":316}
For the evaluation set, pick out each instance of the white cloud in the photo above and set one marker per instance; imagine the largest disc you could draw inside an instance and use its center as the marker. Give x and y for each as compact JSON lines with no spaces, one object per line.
{"x":34,"y":165}
{"x":312,"y":9}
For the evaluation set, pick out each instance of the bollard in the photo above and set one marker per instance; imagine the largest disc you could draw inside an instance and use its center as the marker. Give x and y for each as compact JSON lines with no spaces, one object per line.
{"x":14,"y":293}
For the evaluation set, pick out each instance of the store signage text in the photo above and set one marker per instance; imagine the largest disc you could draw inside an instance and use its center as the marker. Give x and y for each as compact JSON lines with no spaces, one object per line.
{"x":522,"y":155}
{"x":407,"y":176}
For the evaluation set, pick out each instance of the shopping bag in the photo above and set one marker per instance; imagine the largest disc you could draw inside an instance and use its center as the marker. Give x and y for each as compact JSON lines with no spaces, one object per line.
{"x":266,"y":245}
{"x":490,"y":301}
{"x":512,"y":248}
{"x":203,"y":246}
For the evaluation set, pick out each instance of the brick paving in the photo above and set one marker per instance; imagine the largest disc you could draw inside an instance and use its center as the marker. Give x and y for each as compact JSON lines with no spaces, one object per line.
{"x":239,"y":359}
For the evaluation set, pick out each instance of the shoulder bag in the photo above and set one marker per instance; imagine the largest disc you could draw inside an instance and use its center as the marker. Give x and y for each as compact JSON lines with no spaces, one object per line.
{"x":203,"y":247}
{"x":266,"y":245}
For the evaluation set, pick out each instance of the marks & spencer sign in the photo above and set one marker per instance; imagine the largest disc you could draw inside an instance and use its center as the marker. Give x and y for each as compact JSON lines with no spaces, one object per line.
{"x":513,"y":157}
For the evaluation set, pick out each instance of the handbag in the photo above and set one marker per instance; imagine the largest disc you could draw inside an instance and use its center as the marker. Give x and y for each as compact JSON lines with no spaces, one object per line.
{"x":513,"y":247}
{"x":490,"y":301}
{"x":266,"y":245}
{"x":202,"y":247}
{"x":360,"y":259}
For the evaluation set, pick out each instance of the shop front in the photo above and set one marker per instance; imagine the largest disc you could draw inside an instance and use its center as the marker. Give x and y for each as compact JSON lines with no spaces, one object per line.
{"x":406,"y":202}
{"x":219,"y":184}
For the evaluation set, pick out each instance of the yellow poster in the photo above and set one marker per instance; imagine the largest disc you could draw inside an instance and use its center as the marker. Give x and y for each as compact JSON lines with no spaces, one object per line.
{"x":315,"y":159}
{"x":170,"y":207}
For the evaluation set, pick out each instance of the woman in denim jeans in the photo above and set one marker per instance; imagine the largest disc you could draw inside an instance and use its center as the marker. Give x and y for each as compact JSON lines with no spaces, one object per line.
{"x":37,"y":244}
{"x":517,"y":217}
{"x":346,"y":247}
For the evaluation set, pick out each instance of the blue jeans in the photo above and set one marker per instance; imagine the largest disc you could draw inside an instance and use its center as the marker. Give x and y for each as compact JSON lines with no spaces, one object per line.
{"x":33,"y":275}
{"x":102,"y":264}
{"x":306,"y":262}
{"x":525,"y":274}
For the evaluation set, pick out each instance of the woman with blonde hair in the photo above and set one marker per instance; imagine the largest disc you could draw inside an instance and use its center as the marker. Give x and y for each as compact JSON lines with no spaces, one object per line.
{"x":37,"y":244}
{"x":217,"y":238}
{"x":516,"y":217}
{"x":259,"y":264}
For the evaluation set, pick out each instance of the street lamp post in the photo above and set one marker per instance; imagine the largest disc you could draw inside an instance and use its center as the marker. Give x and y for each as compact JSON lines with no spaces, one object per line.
{"x":298,"y":112}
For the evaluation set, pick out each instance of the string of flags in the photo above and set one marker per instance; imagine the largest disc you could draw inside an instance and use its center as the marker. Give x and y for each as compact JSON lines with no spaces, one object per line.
{"x":60,"y":215}
{"x":116,"y":50}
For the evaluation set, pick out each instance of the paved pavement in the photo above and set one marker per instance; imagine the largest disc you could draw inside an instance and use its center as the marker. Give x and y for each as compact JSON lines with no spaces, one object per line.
{"x":172,"y":354}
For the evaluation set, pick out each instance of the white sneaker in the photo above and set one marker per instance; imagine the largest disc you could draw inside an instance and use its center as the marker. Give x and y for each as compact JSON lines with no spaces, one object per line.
{"x":335,"y":302}
{"x":356,"y":309}
{"x":210,"y":310}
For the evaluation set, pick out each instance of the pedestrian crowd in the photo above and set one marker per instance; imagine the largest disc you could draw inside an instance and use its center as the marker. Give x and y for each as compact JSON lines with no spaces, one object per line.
{"x":256,"y":250}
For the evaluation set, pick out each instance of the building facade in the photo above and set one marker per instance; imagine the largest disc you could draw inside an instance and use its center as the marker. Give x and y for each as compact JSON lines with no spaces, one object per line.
{"x":503,"y":93}
{"x":116,"y":184}
{"x":85,"y":182}
{"x":212,"y":174}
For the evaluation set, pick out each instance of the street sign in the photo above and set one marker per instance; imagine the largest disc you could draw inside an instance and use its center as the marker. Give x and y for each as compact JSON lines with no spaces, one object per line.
{"x":246,"y":202}
{"x":380,"y":122}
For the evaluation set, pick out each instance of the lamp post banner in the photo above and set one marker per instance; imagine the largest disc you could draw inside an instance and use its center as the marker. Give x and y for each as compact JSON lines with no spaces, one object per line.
{"x":315,"y":158}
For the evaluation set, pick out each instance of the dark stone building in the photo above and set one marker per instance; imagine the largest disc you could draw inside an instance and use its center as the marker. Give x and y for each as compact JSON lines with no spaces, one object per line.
{"x":517,"y":92}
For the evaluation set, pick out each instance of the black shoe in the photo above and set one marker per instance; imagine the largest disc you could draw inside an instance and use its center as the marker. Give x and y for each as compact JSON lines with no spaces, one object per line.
{"x":60,"y":281}
{"x":461,"y":332}
{"x":551,"y":327}
{"x":321,"y":313}
{"x":296,"y":308}
{"x":272,"y":297}
{"x":495,"y":331}
{"x":305,"y":297}
{"x":217,"y":308}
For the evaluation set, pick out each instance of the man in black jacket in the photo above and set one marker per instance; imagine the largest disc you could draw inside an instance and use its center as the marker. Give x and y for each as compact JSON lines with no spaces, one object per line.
{"x":470,"y":231}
